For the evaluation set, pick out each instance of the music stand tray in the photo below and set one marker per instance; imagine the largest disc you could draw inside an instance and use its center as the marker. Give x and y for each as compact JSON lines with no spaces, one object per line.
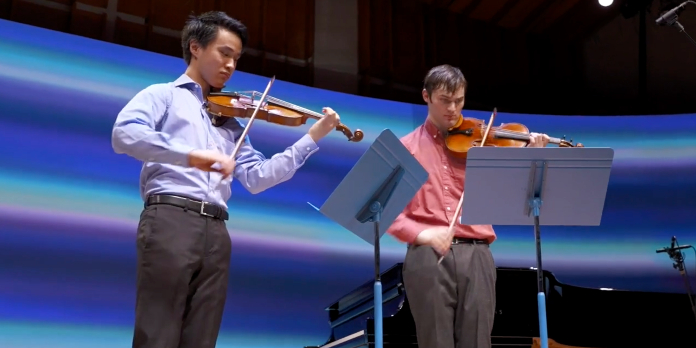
{"x":376,"y":190}
{"x":533,"y":187}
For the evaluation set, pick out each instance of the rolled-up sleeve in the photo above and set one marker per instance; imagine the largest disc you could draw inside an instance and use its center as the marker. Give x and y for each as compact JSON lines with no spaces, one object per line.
{"x":405,"y":228}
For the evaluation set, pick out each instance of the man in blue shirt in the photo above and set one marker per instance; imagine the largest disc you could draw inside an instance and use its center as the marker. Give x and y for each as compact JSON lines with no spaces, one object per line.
{"x":183,"y":244}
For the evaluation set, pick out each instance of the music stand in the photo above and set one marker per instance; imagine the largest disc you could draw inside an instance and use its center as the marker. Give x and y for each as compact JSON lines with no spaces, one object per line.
{"x":376,"y":190}
{"x":506,"y":186}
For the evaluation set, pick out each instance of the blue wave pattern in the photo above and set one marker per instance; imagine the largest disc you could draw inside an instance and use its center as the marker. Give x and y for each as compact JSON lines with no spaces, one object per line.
{"x":69,"y":206}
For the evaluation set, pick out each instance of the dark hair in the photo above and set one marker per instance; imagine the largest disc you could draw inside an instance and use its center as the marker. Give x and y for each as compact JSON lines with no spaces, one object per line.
{"x":446,"y":77}
{"x":204,"y":29}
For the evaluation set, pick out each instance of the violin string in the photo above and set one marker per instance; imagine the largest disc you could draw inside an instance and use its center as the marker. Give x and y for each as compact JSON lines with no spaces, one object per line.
{"x":516,"y":135}
{"x":504,"y":131}
{"x":286,"y":104}
{"x":521,"y":135}
{"x":293,"y":106}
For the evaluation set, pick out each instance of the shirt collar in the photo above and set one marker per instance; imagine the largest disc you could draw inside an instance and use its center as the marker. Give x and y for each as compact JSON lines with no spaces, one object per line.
{"x":186,"y":82}
{"x":431,"y":129}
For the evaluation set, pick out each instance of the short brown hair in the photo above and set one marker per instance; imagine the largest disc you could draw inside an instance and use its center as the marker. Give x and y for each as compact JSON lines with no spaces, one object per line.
{"x":446,"y":77}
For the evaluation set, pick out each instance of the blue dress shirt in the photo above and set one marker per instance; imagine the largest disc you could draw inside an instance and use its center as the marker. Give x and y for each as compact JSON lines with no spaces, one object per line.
{"x":166,"y":121}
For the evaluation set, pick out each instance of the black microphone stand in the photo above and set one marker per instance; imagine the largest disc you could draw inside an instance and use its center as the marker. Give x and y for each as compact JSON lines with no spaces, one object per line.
{"x":672,"y":21}
{"x":675,"y":255}
{"x":681,"y":28}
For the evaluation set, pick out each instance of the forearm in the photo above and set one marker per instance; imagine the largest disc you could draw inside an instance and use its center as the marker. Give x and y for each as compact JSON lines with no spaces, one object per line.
{"x":408,"y":230}
{"x":141,"y":142}
{"x":258,"y":174}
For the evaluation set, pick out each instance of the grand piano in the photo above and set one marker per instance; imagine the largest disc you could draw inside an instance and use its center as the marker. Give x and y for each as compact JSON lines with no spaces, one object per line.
{"x":576,"y":316}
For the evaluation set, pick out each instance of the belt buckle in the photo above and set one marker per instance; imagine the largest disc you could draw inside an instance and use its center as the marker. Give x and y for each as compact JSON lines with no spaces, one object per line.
{"x":202,"y":212}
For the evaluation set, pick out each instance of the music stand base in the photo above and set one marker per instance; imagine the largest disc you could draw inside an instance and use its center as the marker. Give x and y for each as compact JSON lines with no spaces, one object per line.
{"x":535,"y":203}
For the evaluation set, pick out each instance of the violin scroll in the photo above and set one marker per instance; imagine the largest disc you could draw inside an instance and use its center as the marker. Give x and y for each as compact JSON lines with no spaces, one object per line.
{"x":568,"y":143}
{"x":355,"y":137}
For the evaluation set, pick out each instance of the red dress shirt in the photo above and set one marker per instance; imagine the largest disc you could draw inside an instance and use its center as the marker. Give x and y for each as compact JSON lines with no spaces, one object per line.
{"x":434,"y":204}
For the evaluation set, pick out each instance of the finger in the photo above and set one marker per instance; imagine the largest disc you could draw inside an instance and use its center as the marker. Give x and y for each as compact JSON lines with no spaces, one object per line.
{"x":228,"y":168}
{"x":328,"y":111}
{"x":212,"y":170}
{"x":206,"y":167}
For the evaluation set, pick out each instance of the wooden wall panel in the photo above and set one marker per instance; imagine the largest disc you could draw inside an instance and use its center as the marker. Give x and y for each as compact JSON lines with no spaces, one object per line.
{"x":502,"y":66}
{"x":165,"y":44}
{"x":407,"y":41}
{"x":281,"y":37}
{"x":95,"y":3}
{"x":87,"y":24}
{"x":134,"y":8}
{"x":299,"y":41}
{"x":130,"y":34}
{"x":5,"y":8}
{"x":281,"y":32}
{"x":56,"y":17}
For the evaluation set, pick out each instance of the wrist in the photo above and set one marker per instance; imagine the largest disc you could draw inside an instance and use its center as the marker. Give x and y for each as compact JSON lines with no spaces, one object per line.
{"x":312,"y":134}
{"x":189,"y":157}
{"x":424,"y":237}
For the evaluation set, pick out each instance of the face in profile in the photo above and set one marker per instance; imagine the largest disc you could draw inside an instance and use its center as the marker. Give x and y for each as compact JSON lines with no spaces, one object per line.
{"x":218,"y":60}
{"x":444,"y":108}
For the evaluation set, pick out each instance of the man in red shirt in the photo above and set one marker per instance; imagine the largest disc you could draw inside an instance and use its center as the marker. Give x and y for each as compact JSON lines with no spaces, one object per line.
{"x":452,"y":302}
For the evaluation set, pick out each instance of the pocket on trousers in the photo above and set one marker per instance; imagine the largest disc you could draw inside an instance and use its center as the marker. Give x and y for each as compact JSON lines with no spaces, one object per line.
{"x":419,"y":258}
{"x":146,"y":227}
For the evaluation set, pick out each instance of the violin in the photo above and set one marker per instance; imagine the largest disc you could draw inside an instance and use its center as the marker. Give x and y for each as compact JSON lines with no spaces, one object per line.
{"x":472,"y":132}
{"x":243,"y":104}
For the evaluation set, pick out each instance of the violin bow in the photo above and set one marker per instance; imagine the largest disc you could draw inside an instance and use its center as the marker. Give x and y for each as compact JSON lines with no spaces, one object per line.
{"x":457,"y":211}
{"x":251,"y":120}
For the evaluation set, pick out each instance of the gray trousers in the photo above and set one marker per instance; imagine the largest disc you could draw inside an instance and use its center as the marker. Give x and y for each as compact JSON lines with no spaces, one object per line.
{"x":453,"y":303}
{"x":183,"y":262}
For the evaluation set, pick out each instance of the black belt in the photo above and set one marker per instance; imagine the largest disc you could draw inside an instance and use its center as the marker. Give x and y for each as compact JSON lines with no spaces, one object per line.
{"x":203,"y":208}
{"x":459,"y":240}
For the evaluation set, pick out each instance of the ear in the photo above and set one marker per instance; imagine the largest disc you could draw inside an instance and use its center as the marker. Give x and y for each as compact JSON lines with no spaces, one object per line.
{"x":426,"y":98}
{"x":195,"y":48}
